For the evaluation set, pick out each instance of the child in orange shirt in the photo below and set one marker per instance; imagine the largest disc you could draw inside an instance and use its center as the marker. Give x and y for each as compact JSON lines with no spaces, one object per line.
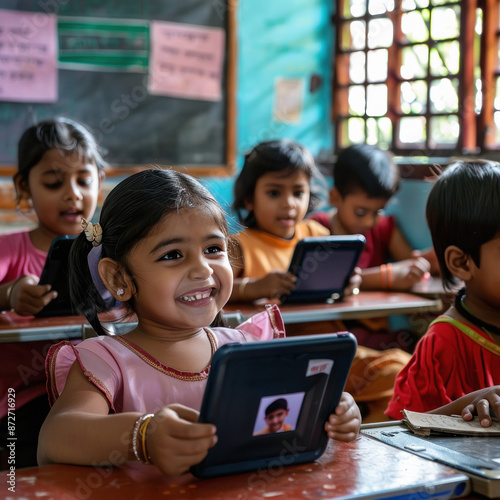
{"x":272,"y":197}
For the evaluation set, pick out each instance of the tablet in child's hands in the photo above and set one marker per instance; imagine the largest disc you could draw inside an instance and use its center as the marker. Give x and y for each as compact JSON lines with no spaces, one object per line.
{"x":270,"y":401}
{"x":55,"y":273}
{"x":323,"y":266}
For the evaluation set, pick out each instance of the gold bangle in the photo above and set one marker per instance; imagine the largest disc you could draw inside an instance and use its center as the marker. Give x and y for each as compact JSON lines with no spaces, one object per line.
{"x":8,"y":292}
{"x":241,"y":288}
{"x":139,"y":431}
{"x":142,"y":433}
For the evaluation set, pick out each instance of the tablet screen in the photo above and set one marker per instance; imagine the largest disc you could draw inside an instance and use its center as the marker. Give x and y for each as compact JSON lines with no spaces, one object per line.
{"x":323,"y":266}
{"x":270,"y":400}
{"x":324,"y":269}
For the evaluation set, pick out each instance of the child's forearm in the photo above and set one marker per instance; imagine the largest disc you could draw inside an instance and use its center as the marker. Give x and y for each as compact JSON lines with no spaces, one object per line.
{"x":456,"y":407}
{"x":372,"y":279}
{"x":246,"y":290}
{"x":453,"y":408}
{"x":240,"y":290}
{"x":85,"y":439}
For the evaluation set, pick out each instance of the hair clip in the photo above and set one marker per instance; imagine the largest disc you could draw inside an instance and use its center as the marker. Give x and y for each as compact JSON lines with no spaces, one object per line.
{"x":93,"y":232}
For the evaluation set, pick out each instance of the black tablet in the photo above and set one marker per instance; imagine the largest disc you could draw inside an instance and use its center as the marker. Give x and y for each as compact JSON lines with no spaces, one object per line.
{"x":323,"y":266}
{"x":55,"y":273}
{"x":270,"y":400}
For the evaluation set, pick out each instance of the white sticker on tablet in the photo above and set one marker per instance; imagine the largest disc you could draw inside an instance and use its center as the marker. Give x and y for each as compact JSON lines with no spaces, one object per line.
{"x":319,"y":366}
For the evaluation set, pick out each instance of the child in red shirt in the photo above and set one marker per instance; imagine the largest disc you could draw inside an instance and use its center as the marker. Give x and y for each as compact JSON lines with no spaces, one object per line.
{"x":365,"y":178}
{"x":460,"y":353}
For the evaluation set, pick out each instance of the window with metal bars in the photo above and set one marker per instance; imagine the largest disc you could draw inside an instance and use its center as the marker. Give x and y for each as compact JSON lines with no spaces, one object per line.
{"x":418,"y":77}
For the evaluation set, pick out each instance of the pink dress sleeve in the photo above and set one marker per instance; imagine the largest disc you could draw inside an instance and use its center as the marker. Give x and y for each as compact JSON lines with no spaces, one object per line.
{"x":267,"y":325}
{"x":99,"y":367}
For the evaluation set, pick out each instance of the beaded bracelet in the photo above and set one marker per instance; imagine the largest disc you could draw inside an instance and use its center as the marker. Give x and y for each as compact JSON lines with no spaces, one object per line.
{"x":138,"y":424}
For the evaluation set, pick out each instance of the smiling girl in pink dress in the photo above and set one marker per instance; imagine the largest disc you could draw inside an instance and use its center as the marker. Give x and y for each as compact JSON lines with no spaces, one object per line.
{"x":161,"y":248}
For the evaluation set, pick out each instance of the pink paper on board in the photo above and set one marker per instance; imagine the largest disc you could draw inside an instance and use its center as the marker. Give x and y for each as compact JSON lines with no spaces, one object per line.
{"x":28,"y":56}
{"x":186,"y":61}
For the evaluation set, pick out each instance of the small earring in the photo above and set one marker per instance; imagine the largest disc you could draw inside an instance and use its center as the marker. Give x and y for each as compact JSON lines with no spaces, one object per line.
{"x":119,"y":292}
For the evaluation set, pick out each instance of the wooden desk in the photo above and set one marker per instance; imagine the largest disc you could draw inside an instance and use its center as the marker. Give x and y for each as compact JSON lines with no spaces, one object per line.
{"x":363,"y":305}
{"x":15,"y":328}
{"x":362,"y":467}
{"x":434,"y":288}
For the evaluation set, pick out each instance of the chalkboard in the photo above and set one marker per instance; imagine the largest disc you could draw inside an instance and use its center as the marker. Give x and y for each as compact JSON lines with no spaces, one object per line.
{"x":108,"y":89}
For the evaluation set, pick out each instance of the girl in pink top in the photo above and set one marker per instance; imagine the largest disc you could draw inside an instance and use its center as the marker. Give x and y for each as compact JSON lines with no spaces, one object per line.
{"x":60,"y":170}
{"x":160,"y":248}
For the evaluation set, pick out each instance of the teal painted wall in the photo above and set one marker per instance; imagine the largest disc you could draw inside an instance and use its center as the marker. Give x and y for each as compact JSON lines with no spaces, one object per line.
{"x":294,"y":39}
{"x":408,"y":207}
{"x":289,"y":39}
{"x":278,"y":39}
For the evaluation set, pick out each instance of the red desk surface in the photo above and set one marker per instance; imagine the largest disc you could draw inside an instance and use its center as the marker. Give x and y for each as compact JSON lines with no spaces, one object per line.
{"x":363,"y":305}
{"x":366,"y":304}
{"x":345,"y":469}
{"x":9,"y":319}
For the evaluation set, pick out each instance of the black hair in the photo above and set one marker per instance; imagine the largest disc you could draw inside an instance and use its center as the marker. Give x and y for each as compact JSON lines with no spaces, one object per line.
{"x":270,"y":156}
{"x":367,"y":168}
{"x":463,"y":209}
{"x":58,"y":133}
{"x":129,"y":213}
{"x":278,"y":404}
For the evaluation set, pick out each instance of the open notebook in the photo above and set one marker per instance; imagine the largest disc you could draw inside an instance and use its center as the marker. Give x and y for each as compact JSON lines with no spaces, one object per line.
{"x":425,"y":424}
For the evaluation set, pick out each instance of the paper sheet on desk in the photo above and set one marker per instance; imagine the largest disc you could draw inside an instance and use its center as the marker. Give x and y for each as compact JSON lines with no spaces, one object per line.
{"x":425,"y":423}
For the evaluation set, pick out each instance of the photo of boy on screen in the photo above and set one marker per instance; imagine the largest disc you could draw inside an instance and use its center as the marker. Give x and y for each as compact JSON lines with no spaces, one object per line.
{"x":276,"y":415}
